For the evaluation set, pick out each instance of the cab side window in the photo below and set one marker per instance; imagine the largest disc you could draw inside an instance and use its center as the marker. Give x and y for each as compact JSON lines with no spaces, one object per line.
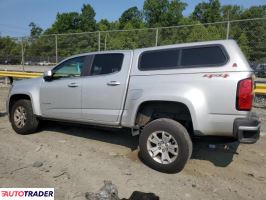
{"x":106,"y":63}
{"x":70,"y":68}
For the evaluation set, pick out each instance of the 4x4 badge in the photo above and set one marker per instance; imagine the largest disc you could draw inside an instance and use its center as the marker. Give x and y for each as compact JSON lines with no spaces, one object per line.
{"x":216,"y":75}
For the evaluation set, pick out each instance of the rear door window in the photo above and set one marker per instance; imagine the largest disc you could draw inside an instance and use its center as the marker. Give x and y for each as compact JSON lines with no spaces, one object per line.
{"x":203,"y":56}
{"x":106,"y":63}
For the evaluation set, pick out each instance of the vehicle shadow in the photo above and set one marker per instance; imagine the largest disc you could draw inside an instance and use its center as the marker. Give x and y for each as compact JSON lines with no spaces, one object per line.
{"x":219,"y":151}
{"x":2,"y":114}
{"x":120,"y":137}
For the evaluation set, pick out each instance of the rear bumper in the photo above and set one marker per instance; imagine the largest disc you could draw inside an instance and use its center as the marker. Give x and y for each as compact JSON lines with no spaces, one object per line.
{"x":247,"y":130}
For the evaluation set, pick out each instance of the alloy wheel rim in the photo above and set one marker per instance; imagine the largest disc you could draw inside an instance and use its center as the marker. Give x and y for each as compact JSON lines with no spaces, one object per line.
{"x":20,"y":117}
{"x":162,"y":147}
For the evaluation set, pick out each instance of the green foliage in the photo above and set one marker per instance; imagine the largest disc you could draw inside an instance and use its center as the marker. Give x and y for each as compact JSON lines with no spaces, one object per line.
{"x":103,"y":25}
{"x":242,"y":41}
{"x":66,"y":23}
{"x":207,"y":12}
{"x":155,"y":12}
{"x":35,"y":30}
{"x":132,"y":16}
{"x":73,"y":22}
{"x":163,"y":12}
{"x":81,"y":43}
{"x":203,"y":33}
{"x":9,"y":50}
{"x":231,"y":12}
{"x":174,"y":14}
{"x":254,"y":12}
{"x":131,"y":39}
{"x":42,"y":47}
{"x":87,"y":21}
{"x":250,"y":35}
{"x":256,"y":39}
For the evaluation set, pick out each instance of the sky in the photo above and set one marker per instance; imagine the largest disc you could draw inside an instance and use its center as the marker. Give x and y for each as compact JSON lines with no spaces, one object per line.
{"x":15,"y":15}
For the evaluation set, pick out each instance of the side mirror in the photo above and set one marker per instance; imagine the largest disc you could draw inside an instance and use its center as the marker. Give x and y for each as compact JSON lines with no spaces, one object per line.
{"x":48,"y":75}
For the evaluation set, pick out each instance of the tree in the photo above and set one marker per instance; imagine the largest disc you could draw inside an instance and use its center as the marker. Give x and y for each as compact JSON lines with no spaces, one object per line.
{"x":132,"y":16}
{"x":250,"y":35}
{"x":197,"y":33}
{"x":175,"y":10}
{"x":88,"y":23}
{"x":35,"y":30}
{"x":163,"y":12}
{"x":242,"y":41}
{"x":74,"y":22}
{"x":66,"y":23}
{"x":254,"y":32}
{"x":231,"y":12}
{"x":207,"y":12}
{"x":9,"y":50}
{"x":155,"y":12}
{"x":103,"y":25}
{"x":254,"y":12}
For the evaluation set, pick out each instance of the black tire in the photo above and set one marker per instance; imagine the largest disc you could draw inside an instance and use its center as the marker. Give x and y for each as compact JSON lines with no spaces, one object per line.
{"x":182,"y":138}
{"x":31,"y":122}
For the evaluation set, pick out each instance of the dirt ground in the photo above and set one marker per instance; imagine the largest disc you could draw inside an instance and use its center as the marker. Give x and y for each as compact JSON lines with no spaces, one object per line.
{"x":75,"y":160}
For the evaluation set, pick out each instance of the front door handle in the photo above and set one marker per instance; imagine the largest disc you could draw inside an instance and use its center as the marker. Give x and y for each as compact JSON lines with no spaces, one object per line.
{"x":113,"y":83}
{"x":72,"y":85}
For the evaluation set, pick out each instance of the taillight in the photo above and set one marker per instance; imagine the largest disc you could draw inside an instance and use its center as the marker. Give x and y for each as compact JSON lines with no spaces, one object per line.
{"x":244,"y":96}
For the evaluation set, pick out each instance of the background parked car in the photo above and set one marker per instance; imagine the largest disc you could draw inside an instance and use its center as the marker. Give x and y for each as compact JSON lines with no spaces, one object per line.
{"x":44,"y":63}
{"x":260,"y":70}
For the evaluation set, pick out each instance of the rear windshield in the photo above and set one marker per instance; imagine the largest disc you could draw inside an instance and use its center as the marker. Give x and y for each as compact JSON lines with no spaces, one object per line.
{"x":203,"y":56}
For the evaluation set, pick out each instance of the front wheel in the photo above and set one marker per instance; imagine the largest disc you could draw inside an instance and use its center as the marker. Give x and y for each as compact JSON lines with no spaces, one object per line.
{"x":165,"y":145}
{"x":22,"y":117}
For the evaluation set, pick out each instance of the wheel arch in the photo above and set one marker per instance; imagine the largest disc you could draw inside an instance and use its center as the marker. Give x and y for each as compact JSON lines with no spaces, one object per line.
{"x":145,"y":110}
{"x":16,"y":97}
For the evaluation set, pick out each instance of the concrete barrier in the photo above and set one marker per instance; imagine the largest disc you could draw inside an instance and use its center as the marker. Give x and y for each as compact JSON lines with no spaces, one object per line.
{"x":15,"y":74}
{"x":260,"y":88}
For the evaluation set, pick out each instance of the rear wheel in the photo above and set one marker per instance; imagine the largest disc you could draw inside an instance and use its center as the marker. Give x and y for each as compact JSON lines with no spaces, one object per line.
{"x":22,"y":117}
{"x":165,"y":145}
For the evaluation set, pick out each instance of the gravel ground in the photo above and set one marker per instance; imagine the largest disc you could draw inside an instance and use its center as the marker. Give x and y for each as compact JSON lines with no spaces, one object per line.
{"x":77,"y":159}
{"x":260,"y":101}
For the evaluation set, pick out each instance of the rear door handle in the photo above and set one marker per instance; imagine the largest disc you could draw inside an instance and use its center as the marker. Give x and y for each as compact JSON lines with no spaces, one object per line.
{"x":72,"y":85}
{"x":113,"y":83}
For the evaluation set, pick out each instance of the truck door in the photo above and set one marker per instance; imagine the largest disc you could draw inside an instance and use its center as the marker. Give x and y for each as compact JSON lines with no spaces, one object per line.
{"x":60,"y":97}
{"x":104,"y":90}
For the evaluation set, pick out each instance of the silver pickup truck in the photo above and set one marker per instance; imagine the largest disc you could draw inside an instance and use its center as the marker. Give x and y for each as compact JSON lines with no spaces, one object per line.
{"x":165,"y":94}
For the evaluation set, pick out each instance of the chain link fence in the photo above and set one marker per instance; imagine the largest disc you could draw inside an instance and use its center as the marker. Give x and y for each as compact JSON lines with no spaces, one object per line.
{"x":50,"y":49}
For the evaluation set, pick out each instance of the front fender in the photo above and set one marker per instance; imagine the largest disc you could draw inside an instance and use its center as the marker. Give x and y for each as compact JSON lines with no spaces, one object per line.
{"x":30,"y":88}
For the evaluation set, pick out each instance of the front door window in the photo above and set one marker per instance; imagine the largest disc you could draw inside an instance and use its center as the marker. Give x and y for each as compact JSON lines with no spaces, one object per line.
{"x":70,"y":68}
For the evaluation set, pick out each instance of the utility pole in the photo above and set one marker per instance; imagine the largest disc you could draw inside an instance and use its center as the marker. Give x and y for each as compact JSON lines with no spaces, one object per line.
{"x":228,"y":25}
{"x":22,"y":55}
{"x":105,"y":41}
{"x":56,"y":50}
{"x":156,"y":37}
{"x":99,"y":41}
